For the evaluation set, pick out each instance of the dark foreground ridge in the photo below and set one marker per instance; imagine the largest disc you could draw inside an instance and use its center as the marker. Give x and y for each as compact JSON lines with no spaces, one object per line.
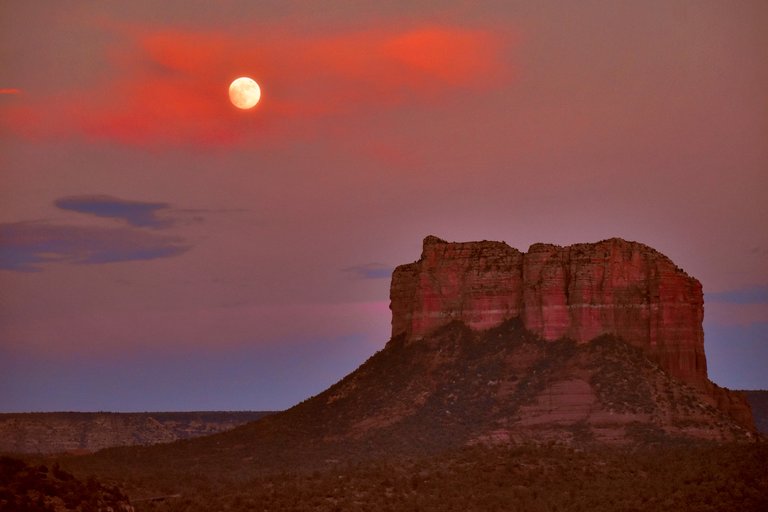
{"x":38,"y":488}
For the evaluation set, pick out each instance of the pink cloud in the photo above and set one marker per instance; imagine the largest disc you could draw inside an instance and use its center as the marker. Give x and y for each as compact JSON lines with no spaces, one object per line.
{"x":169,"y":87}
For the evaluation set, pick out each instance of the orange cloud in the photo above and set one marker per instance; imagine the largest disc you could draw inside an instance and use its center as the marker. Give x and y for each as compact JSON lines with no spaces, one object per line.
{"x":169,"y":86}
{"x":445,"y":56}
{"x":10,"y":91}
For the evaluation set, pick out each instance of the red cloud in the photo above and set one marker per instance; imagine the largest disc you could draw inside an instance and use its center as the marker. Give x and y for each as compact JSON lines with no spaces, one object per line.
{"x":444,"y":56}
{"x":169,"y":87}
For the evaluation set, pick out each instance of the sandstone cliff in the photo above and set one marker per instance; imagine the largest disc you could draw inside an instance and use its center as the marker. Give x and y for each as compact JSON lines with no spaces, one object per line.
{"x":758,"y":401}
{"x":579,"y":292}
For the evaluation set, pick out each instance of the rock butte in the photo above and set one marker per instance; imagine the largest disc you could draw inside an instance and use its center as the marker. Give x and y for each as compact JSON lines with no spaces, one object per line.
{"x":579,"y":292}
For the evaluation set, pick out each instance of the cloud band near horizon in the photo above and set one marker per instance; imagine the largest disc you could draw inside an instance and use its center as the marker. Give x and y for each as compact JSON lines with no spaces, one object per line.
{"x":136,"y":213}
{"x":27,"y":246}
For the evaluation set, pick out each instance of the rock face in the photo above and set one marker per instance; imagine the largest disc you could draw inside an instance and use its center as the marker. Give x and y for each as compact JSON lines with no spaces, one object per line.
{"x":577,"y":292}
{"x":758,"y":400}
{"x":625,"y":289}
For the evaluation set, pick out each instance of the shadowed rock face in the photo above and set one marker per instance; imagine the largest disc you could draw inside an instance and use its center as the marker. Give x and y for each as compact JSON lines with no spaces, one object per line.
{"x":25,"y":487}
{"x":625,"y":289}
{"x":758,"y":401}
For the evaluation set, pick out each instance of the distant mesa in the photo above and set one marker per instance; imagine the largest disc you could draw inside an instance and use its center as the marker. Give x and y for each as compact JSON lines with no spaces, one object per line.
{"x":84,"y":432}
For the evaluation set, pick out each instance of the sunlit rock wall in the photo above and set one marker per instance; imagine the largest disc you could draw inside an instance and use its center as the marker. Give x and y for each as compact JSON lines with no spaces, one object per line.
{"x":579,"y":292}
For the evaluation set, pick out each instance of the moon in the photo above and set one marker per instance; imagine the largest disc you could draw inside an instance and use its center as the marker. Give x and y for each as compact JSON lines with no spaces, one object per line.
{"x":244,"y":92}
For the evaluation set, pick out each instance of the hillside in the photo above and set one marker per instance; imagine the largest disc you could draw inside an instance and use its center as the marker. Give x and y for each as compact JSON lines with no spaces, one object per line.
{"x":58,"y":432}
{"x":457,"y":388}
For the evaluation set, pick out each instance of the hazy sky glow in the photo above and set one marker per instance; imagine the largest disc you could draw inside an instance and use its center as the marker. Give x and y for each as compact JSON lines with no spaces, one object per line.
{"x":162,"y":250}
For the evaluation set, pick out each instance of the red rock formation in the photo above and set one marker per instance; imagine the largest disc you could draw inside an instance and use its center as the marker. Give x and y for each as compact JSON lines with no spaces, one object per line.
{"x":479,"y":283}
{"x":580,"y":292}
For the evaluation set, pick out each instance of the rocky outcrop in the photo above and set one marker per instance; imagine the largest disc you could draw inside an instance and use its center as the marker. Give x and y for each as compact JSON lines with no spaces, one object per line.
{"x":758,"y":401}
{"x":25,"y":487}
{"x":625,"y":289}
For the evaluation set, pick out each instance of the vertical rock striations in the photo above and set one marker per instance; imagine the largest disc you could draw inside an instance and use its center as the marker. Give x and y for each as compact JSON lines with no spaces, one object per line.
{"x":579,"y":292}
{"x":479,"y":283}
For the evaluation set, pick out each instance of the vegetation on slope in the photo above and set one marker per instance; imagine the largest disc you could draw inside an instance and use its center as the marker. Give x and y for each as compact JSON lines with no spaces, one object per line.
{"x":36,"y":488}
{"x":699,"y":477}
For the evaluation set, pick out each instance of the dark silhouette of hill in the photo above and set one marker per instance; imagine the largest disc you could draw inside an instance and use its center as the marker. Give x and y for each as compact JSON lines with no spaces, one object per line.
{"x":38,"y":488}
{"x":456,"y":388}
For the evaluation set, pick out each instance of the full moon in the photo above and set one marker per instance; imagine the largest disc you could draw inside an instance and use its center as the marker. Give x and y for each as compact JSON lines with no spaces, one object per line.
{"x":244,"y":92}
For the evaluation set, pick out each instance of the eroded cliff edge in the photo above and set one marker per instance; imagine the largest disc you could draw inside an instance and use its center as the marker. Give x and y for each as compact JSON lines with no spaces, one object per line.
{"x":582,"y":291}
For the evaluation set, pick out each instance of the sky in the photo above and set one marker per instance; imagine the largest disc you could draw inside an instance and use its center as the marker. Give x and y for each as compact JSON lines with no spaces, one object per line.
{"x":161,"y":249}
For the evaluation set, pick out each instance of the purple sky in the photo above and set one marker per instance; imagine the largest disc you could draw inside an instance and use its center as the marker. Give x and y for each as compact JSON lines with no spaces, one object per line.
{"x":163,"y":250}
